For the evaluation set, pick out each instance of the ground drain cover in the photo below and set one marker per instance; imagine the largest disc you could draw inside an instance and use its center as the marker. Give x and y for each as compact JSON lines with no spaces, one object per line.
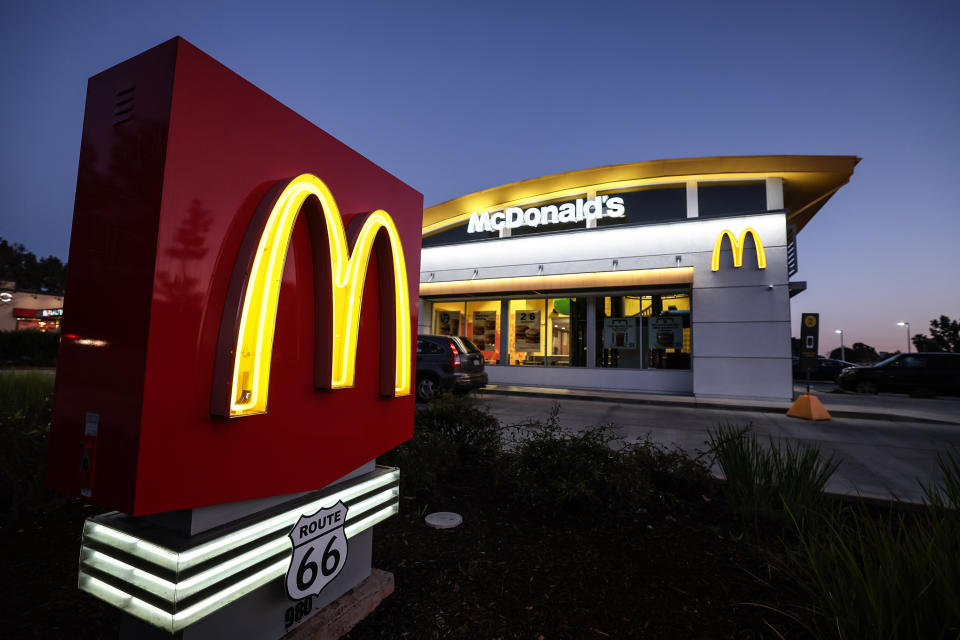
{"x":444,"y":520}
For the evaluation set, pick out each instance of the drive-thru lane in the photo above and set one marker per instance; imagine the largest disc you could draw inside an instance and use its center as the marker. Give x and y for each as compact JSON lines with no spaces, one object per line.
{"x":881,"y":457}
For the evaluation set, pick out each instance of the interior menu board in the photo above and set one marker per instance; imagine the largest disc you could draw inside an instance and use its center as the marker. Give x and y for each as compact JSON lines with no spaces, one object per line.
{"x":527,"y":328}
{"x":666,"y":332}
{"x":485,"y":330}
{"x":448,"y":323}
{"x":619,"y":333}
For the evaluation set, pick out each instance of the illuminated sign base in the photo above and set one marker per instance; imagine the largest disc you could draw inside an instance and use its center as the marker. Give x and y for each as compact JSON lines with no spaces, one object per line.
{"x":174,"y":581}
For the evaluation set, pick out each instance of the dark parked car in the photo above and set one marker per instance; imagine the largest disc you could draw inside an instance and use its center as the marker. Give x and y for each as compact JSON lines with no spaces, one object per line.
{"x":825,"y":369}
{"x":447,"y":362}
{"x":907,"y":372}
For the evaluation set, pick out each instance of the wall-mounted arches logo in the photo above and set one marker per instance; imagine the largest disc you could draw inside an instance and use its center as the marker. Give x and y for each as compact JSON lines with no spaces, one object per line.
{"x":340,"y":259}
{"x":736,"y":246}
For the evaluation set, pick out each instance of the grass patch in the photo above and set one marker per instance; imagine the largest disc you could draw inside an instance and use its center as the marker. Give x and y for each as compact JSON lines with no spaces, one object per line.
{"x":773,"y":485}
{"x":30,"y":348}
{"x":24,"y":426}
{"x":889,"y":575}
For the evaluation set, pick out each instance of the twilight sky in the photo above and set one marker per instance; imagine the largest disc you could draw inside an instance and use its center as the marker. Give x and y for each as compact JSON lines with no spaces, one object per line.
{"x":458,"y":97}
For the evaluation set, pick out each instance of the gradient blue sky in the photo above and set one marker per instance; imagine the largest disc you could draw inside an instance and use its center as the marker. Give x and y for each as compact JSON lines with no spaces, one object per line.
{"x":456,"y":97}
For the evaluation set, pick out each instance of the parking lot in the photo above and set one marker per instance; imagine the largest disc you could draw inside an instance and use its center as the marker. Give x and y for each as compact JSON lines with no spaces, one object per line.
{"x":886,"y":442}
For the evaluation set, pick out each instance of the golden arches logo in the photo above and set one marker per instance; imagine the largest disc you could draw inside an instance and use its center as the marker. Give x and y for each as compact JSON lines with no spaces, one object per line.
{"x":736,"y":245}
{"x":246,"y":333}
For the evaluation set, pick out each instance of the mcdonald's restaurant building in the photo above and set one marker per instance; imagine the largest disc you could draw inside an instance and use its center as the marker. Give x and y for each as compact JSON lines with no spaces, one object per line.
{"x":670,"y":276}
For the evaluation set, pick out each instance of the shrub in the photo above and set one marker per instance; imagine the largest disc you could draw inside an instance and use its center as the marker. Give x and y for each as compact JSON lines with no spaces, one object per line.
{"x":671,"y":471}
{"x":763,"y":484}
{"x":473,"y":430}
{"x":562,"y":474}
{"x":448,"y":433}
{"x":567,"y":474}
{"x":425,"y":461}
{"x":24,"y":425}
{"x":29,"y":348}
{"x":894,"y":575}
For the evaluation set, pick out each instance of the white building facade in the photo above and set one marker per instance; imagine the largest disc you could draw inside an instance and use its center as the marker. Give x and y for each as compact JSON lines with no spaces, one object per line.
{"x":660,"y":277}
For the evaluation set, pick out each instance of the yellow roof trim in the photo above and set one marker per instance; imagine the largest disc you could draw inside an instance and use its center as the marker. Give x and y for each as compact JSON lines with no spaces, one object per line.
{"x":809,"y":181}
{"x":567,"y":281}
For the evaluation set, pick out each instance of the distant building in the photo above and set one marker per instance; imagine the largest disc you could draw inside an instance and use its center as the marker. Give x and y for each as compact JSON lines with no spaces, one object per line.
{"x":29,"y":309}
{"x":671,"y":276}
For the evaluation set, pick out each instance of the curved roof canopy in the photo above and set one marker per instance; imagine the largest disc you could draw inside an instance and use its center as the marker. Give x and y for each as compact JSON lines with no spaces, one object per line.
{"x":809,"y":181}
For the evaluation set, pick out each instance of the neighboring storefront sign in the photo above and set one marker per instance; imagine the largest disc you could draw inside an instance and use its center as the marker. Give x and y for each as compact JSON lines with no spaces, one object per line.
{"x":37,"y":313}
{"x":527,"y":330}
{"x":559,"y":213}
{"x":619,"y":333}
{"x":485,"y":330}
{"x":736,"y":247}
{"x":665,"y":332}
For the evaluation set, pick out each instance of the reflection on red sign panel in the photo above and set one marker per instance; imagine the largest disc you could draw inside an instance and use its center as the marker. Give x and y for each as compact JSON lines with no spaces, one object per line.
{"x":189,"y":176}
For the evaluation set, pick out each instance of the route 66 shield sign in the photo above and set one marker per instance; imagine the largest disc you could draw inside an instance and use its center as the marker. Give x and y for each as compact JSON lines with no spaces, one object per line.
{"x":319,"y":551}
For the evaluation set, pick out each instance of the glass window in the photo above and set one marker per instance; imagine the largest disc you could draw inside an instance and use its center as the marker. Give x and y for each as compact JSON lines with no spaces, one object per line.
{"x":483,"y":328}
{"x":648,"y":205}
{"x":448,"y":318}
{"x":649,"y":331}
{"x":912,"y":362}
{"x":566,"y":332}
{"x":456,"y":235}
{"x":727,"y":199}
{"x":526,"y":332}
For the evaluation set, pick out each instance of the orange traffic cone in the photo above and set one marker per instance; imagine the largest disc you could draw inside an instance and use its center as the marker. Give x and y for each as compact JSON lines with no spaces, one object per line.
{"x":809,"y":407}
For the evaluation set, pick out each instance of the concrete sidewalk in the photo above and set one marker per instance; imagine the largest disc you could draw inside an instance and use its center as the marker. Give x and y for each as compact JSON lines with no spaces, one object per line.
{"x":894,"y":407}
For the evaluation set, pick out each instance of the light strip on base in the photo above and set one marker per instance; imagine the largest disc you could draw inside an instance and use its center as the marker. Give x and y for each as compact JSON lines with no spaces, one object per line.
{"x":179,"y":562}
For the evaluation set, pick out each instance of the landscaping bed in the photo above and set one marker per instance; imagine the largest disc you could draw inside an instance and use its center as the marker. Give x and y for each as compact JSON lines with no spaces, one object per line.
{"x":506,"y":574}
{"x":564,"y":535}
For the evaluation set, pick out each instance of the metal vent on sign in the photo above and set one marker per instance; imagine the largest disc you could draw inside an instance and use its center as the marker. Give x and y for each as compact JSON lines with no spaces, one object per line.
{"x":123,"y":105}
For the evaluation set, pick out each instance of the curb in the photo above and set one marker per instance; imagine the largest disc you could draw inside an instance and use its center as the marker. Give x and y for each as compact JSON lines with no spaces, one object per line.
{"x":686,"y":404}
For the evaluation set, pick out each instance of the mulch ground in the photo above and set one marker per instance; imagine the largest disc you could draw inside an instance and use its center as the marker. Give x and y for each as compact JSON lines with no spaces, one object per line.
{"x":505,"y":574}
{"x":501,"y":574}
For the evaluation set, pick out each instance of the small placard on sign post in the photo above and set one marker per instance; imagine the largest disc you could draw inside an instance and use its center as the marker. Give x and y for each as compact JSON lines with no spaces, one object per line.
{"x":809,"y":342}
{"x":319,"y":551}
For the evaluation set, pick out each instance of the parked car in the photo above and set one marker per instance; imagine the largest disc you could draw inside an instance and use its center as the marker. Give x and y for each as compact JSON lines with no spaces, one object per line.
{"x":825,"y":369}
{"x":937,"y":373}
{"x":447,"y":362}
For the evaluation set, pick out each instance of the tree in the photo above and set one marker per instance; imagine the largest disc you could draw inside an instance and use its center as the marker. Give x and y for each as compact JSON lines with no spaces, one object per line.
{"x":944,"y":336}
{"x":859,"y":353}
{"x":924,"y":343}
{"x":22,"y":267}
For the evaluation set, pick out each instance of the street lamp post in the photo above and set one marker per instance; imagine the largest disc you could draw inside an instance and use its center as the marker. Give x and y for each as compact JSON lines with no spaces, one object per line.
{"x":843,"y":352}
{"x":907,"y":325}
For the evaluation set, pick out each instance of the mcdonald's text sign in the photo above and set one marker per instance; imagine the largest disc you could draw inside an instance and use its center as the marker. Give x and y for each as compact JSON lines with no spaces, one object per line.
{"x":239,"y":313}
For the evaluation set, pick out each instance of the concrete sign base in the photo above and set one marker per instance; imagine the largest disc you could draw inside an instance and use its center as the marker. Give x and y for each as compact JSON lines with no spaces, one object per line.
{"x":234,"y":579}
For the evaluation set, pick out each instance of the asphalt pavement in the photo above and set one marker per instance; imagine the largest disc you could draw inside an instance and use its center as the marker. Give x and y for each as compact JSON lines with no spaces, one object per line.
{"x":887,"y":443}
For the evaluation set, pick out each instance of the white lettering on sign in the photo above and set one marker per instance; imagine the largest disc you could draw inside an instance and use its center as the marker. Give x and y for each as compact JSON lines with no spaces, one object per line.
{"x":577,"y":211}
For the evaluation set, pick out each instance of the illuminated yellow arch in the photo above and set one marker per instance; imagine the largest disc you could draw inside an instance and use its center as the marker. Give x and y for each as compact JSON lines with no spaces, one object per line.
{"x":254,"y":342}
{"x":737,"y":247}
